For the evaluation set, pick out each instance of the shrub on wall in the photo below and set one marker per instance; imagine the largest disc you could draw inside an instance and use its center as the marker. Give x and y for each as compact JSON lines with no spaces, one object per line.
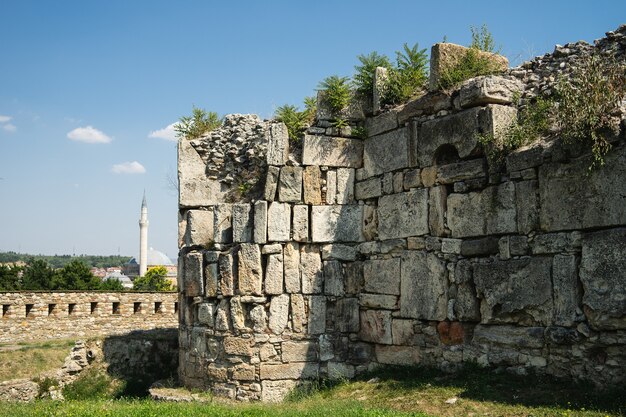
{"x":409,"y":75}
{"x":473,"y":63}
{"x":297,"y":121}
{"x":199,"y":123}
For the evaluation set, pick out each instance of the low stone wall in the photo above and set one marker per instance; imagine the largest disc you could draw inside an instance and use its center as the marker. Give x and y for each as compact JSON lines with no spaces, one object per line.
{"x":28,"y":316}
{"x":406,"y":248}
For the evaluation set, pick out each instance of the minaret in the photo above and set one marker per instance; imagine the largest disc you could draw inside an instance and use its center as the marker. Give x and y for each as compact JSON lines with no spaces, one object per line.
{"x":143,"y":238}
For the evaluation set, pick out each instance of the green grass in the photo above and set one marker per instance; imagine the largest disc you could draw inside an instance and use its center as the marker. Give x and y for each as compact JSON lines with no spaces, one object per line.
{"x":405,"y":391}
{"x":28,"y":360}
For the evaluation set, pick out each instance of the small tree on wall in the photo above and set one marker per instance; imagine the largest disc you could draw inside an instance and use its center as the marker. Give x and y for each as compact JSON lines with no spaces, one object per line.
{"x":154,"y":280}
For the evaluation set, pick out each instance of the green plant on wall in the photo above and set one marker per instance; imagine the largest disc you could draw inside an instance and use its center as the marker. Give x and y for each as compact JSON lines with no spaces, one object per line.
{"x":297,"y":121}
{"x":336,"y":93}
{"x":196,"y":125}
{"x":409,"y":75}
{"x":588,"y":101}
{"x":363,"y":78}
{"x":473,"y":63}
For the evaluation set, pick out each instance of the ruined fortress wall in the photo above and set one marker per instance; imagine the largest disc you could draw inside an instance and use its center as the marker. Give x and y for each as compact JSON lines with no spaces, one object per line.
{"x":399,"y":249}
{"x":32,"y":316}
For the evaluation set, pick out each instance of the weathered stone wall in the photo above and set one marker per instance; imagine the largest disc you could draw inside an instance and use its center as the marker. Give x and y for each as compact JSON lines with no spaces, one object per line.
{"x":28,"y":316}
{"x":406,"y":248}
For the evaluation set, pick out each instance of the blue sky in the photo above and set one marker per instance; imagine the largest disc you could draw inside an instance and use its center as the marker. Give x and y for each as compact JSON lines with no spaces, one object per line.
{"x":86,"y":86}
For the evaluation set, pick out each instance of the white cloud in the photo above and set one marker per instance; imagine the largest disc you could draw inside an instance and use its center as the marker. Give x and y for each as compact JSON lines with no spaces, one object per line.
{"x":88,"y":134}
{"x":128,"y":168}
{"x":167,"y":133}
{"x":9,"y":127}
{"x":4,"y":119}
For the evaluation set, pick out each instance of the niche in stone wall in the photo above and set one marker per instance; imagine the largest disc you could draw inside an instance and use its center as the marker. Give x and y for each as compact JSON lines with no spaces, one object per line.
{"x":446,"y":154}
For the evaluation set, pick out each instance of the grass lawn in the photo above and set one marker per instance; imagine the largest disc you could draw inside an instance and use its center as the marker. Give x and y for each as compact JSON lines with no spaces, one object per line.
{"x":28,"y":360}
{"x":405,"y":391}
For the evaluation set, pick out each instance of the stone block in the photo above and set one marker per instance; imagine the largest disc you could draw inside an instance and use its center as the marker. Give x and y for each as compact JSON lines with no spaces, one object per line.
{"x":258,"y":318}
{"x":296,"y":370}
{"x":271,"y":183}
{"x":205,"y":314}
{"x":290,"y":184}
{"x":489,"y":89}
{"x":211,"y":278}
{"x":381,"y":79}
{"x":392,"y":245}
{"x":237,"y":314}
{"x":402,"y":215}
{"x":333,"y":278}
{"x":299,"y":351}
{"x":527,"y":203}
{"x":460,"y":171}
{"x":312,"y":184}
{"x":491,"y":211}
{"x":277,"y":144}
{"x":370,"y":223}
{"x":278,"y":222}
{"x":274,"y":274}
{"x":291,"y":265}
{"x":382,"y":276}
{"x":514,"y":336}
{"x":515,"y":291}
{"x":397,"y":355}
{"x":556,"y":242}
{"x":370,"y":188}
{"x":222,"y":316}
{"x":244,"y":372}
{"x":260,"y":222}
{"x":193,"y":273}
{"x":386,"y":152}
{"x":340,"y":370}
{"x":444,"y":56}
{"x":388,"y":183}
{"x":458,"y":130}
{"x":398,"y":182}
{"x":242,"y":223}
{"x":276,"y":391}
{"x":339,"y":252}
{"x":317,"y":314}
{"x":429,"y":176}
{"x":250,"y":270}
{"x":603,"y":278}
{"x":347,"y":315}
{"x":300,"y":223}
{"x":382,"y":123}
{"x":403,"y":332}
{"x":423,"y":287}
{"x":279,"y":313}
{"x":223,"y":226}
{"x":311,"y":269}
{"x":479,"y":247}
{"x":593,"y":198}
{"x":451,"y":333}
{"x":567,"y":295}
{"x":437,"y":202}
{"x":338,"y":223}
{"x":345,"y":186}
{"x":272,"y":249}
{"x":354,"y":277}
{"x":199,"y":227}
{"x":332,"y":151}
{"x":227,"y":273}
{"x":451,"y":246}
{"x":518,"y":245}
{"x":384,"y":301}
{"x":195,"y":189}
{"x":429,"y":103}
{"x":298,"y":314}
{"x":466,"y":305}
{"x":331,"y":186}
{"x":376,"y":326}
{"x":412,"y":179}
{"x":525,"y":157}
{"x":238,"y":346}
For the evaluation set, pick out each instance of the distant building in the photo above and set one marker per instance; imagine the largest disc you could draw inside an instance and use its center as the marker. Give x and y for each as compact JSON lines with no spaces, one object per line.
{"x":148,"y":257}
{"x":126,"y":282}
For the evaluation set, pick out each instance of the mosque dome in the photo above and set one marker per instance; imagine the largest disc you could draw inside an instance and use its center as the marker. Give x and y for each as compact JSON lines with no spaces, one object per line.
{"x":155,"y":258}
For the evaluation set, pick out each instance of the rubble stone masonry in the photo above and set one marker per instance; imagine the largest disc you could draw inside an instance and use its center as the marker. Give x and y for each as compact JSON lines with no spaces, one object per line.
{"x":404,"y":247}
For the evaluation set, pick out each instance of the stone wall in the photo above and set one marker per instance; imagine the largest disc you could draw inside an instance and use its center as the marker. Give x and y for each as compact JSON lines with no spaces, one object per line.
{"x":405,"y":248}
{"x":28,"y":316}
